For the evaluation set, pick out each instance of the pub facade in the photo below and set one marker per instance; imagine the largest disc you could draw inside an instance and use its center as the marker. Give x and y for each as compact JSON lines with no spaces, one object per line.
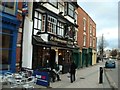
{"x":54,"y":33}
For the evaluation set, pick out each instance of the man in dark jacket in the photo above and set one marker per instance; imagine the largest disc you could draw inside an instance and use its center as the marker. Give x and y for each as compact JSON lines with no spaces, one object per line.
{"x":72,"y":71}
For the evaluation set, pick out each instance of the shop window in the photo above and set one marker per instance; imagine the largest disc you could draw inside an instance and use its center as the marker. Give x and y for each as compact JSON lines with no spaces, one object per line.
{"x":41,"y":57}
{"x":5,"y":49}
{"x":52,"y":22}
{"x":60,"y":29}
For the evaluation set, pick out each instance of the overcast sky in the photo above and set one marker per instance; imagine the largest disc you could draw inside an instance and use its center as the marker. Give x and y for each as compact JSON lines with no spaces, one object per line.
{"x":105,"y":15}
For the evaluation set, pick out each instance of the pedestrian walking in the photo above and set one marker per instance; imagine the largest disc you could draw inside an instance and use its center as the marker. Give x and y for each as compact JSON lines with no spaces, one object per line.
{"x":72,"y":71}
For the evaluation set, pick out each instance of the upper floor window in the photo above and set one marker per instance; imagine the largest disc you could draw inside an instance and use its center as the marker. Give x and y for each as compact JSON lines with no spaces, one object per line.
{"x":90,"y":29}
{"x":84,"y":40}
{"x":71,"y":10}
{"x":9,"y":7}
{"x":39,"y":22}
{"x":52,"y":23}
{"x":84,"y":24}
{"x":93,"y":31}
{"x":54,"y":3}
{"x":91,"y":41}
{"x":60,"y":29}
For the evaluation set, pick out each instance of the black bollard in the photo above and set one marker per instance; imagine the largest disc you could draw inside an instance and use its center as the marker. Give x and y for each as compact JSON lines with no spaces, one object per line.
{"x":101,"y":75}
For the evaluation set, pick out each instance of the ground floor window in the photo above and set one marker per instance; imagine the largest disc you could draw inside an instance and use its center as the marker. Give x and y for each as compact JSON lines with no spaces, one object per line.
{"x":41,"y":56}
{"x":6,"y":49}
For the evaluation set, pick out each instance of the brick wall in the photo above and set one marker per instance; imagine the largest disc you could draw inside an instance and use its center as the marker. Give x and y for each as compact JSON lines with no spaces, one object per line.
{"x":81,"y":15}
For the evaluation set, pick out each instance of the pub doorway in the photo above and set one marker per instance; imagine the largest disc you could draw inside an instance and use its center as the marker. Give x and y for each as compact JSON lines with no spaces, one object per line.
{"x":52,"y":58}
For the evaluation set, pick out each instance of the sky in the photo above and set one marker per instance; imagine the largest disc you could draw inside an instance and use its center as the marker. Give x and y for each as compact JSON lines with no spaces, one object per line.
{"x":105,"y":15}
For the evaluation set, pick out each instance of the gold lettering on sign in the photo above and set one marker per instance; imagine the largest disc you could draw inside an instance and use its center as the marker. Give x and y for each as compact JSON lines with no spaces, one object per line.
{"x":57,"y":39}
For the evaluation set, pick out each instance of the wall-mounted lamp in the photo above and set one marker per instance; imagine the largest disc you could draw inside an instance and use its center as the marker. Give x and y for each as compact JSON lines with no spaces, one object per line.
{"x":44,"y":48}
{"x":60,"y":53}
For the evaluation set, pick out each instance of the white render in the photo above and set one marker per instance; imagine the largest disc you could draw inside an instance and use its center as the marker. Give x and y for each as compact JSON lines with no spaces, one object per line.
{"x":70,"y":19}
{"x":27,"y":44}
{"x":51,"y":8}
{"x":44,"y":37}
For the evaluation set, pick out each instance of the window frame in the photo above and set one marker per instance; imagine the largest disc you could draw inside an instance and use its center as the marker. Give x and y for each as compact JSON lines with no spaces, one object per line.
{"x":7,"y":9}
{"x":84,"y":24}
{"x":60,"y":27}
{"x":84,"y":40}
{"x":39,"y":19}
{"x":51,"y":24}
{"x":69,"y":9}
{"x":8,"y":49}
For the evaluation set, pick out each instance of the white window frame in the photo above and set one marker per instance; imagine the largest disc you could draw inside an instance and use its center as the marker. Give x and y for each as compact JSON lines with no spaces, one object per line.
{"x":91,"y":29}
{"x":71,"y":10}
{"x":84,"y":24}
{"x":52,"y":23}
{"x":91,"y":41}
{"x":38,"y":23}
{"x":84,"y":40}
{"x":60,"y":29}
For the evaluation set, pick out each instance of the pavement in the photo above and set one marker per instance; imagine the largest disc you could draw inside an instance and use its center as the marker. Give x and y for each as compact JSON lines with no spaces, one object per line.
{"x":87,"y":77}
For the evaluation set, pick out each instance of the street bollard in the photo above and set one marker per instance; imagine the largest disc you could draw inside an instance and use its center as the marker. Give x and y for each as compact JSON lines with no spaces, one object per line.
{"x":101,"y":75}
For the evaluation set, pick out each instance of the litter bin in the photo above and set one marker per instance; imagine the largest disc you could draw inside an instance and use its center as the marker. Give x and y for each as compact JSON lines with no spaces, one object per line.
{"x":42,"y":76}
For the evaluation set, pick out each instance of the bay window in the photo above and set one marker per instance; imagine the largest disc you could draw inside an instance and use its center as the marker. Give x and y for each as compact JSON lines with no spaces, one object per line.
{"x":39,"y":23}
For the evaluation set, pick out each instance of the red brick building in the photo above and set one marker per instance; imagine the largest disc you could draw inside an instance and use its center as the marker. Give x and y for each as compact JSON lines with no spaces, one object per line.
{"x":86,"y":38}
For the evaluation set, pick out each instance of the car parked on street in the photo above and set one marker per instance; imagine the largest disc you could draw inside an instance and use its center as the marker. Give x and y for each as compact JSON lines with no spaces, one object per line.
{"x":110,"y":63}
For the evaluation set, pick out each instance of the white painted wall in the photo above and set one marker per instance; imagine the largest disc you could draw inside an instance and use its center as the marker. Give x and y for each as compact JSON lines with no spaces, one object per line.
{"x":51,"y":8}
{"x":27,"y":44}
{"x":70,"y":19}
{"x":44,"y":37}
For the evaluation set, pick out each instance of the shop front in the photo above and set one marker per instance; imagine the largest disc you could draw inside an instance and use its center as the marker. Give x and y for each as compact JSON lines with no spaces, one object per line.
{"x":90,"y":56}
{"x":8,"y":34}
{"x":84,"y":58}
{"x":77,"y":57}
{"x":47,"y":54}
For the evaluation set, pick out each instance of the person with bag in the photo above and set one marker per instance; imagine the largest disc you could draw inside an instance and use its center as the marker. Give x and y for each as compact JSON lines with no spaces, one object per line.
{"x":72,"y":71}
